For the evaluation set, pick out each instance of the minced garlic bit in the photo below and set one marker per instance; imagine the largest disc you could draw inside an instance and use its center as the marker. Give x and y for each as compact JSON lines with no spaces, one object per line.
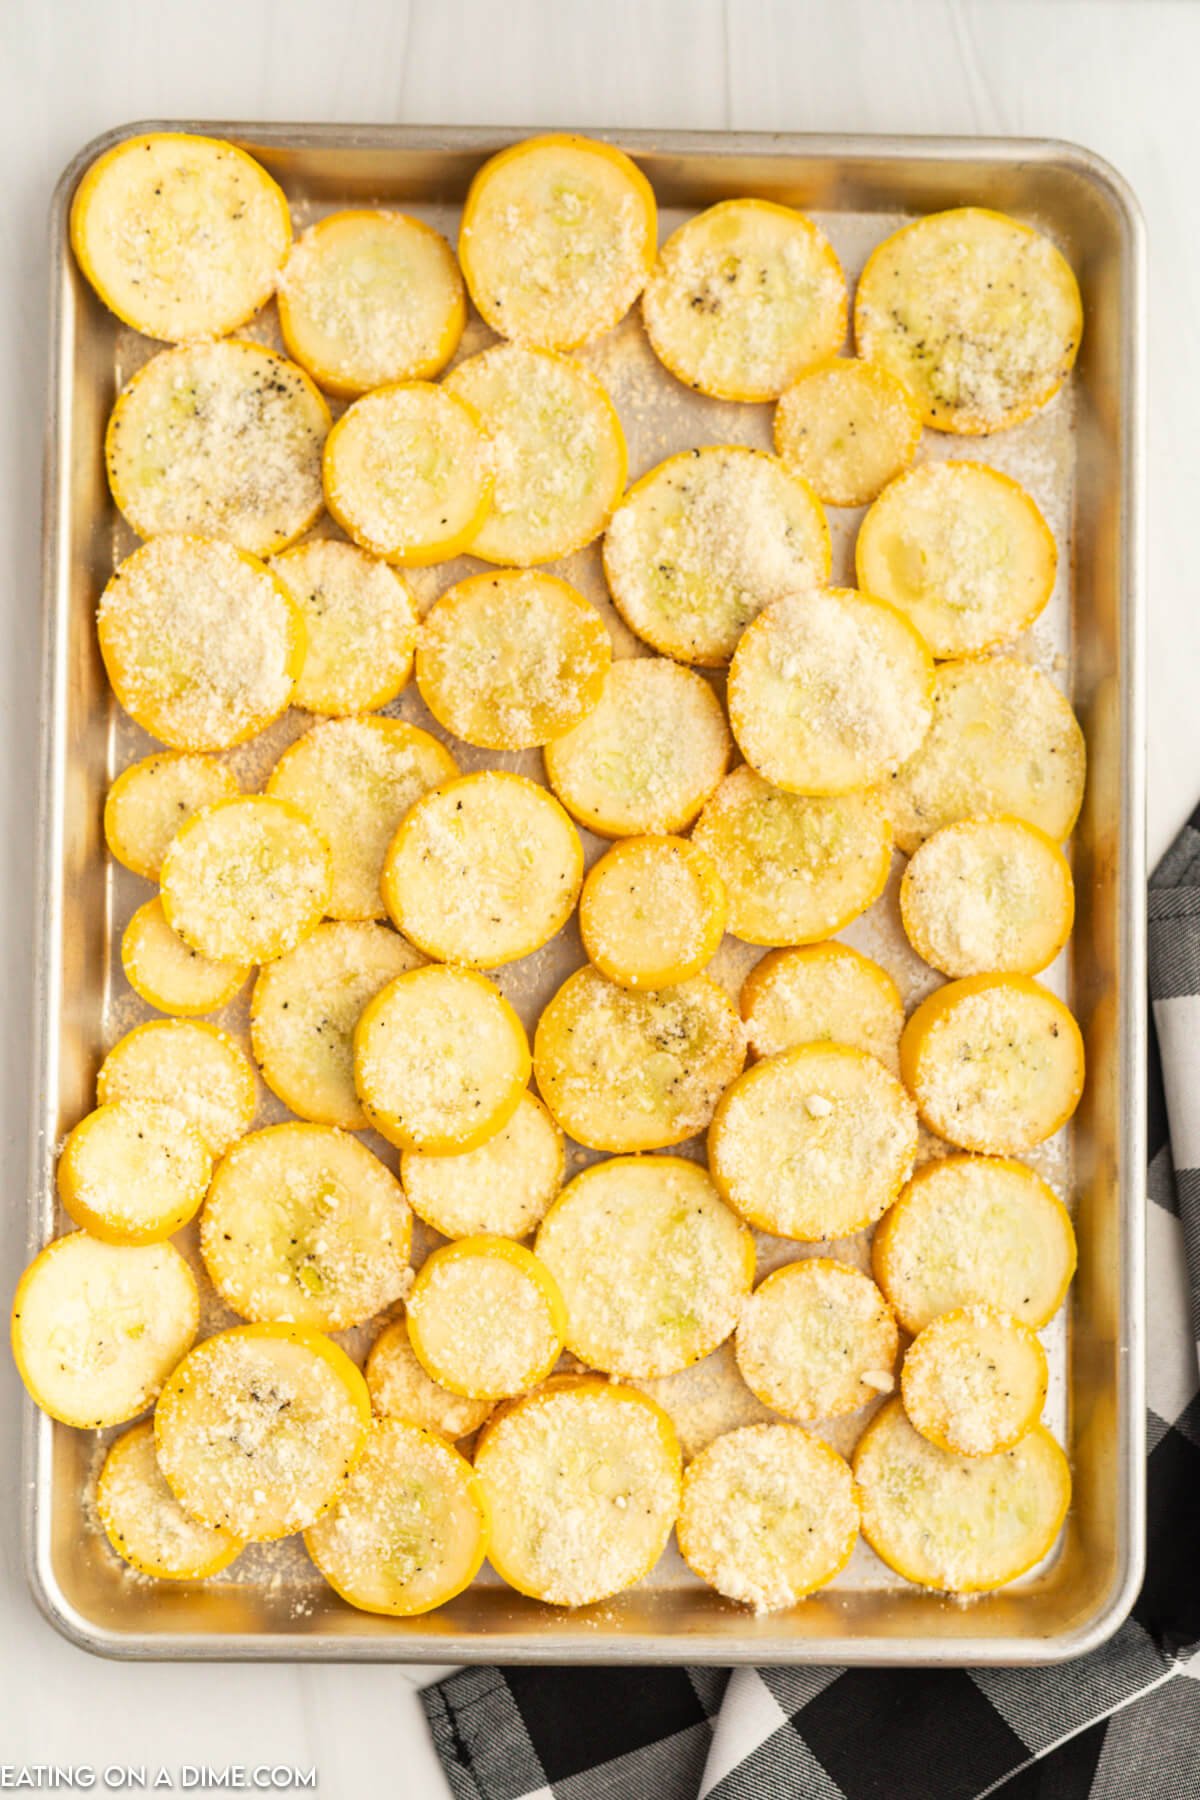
{"x":303,"y":1224}
{"x":796,"y":867}
{"x":829,"y":691}
{"x":304,"y":1010}
{"x":652,"y":1265}
{"x":200,"y":643}
{"x":976,"y":313}
{"x":745,"y":297}
{"x":703,"y":542}
{"x":962,"y":1524}
{"x":624,"y":1070}
{"x":582,"y":1482}
{"x":817,"y":1339}
{"x":808,"y":1173}
{"x":221,"y":439}
{"x":768,"y":1514}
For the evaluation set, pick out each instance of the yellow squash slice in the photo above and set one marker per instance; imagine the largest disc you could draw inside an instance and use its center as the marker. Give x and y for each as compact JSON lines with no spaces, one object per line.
{"x":220,"y":439}
{"x":796,"y":867}
{"x":988,"y":895}
{"x":703,"y":542}
{"x":182,"y":237}
{"x":821,"y":994}
{"x":963,"y":1524}
{"x":408,"y":1530}
{"x":486,"y":1318}
{"x":167,"y":973}
{"x":582,"y":1481}
{"x":133,"y":1172}
{"x":305,"y":1007}
{"x":303,"y":1224}
{"x":200,"y":642}
{"x":768,"y":1515}
{"x":440,"y":1060}
{"x":636,"y":1071}
{"x":558,"y":239}
{"x":483,"y":870}
{"x":145,"y":1523}
{"x":408,"y":473}
{"x":196,"y":1069}
{"x":744,"y":298}
{"x":994,"y":1062}
{"x":502,"y":1189}
{"x":371,"y":297}
{"x":258,"y":1428}
{"x":976,"y":313}
{"x":652,"y":911}
{"x":360,"y":623}
{"x":652,"y":1265}
{"x":401,"y":1389}
{"x":814,"y":1143}
{"x":97,"y":1328}
{"x":971,"y":1230}
{"x":829,"y":691}
{"x":558,"y":448}
{"x":974,"y":1381}
{"x":247,"y":879}
{"x":356,"y":779}
{"x":1003,"y":740}
{"x":151,"y":799}
{"x":962,"y":551}
{"x":512,"y":659}
{"x":648,"y":756}
{"x":848,"y":427}
{"x":817,"y":1339}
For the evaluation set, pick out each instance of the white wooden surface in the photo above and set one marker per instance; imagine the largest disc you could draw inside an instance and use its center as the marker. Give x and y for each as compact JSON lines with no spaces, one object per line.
{"x":1117,"y":75}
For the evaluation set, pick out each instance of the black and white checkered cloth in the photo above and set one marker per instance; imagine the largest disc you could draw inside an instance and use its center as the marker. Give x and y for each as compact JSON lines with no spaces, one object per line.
{"x":1121,"y":1724}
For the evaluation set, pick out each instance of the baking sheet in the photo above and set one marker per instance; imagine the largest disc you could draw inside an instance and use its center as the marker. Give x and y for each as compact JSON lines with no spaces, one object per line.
{"x":272,"y":1602}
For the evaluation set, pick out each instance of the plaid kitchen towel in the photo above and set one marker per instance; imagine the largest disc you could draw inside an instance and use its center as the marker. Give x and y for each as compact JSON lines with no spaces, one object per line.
{"x":1115,"y":1725}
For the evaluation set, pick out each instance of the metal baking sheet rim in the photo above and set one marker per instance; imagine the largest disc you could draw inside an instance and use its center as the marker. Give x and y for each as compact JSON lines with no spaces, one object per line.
{"x":758,"y":1642}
